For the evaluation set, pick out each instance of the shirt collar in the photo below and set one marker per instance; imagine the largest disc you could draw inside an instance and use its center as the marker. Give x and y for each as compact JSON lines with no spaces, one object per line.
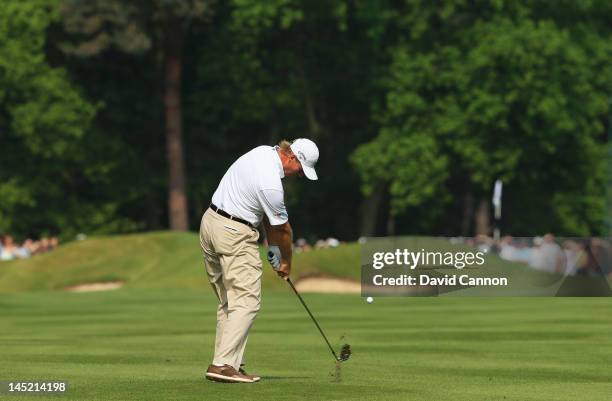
{"x":279,"y":164}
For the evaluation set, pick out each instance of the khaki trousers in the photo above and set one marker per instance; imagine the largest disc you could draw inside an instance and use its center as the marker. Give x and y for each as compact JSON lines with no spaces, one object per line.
{"x":234,"y":270}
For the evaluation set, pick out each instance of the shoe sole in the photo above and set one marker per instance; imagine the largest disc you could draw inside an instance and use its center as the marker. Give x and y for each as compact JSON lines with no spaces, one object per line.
{"x":227,"y":379}
{"x":255,"y":378}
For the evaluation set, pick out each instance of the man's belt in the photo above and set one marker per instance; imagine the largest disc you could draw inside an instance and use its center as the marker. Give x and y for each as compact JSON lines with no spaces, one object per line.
{"x":229,"y":216}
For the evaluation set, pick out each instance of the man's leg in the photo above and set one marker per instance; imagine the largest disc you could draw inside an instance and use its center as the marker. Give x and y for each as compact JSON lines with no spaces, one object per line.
{"x":242,"y":279}
{"x":222,"y":310}
{"x":215,"y":275}
{"x":221,"y":318}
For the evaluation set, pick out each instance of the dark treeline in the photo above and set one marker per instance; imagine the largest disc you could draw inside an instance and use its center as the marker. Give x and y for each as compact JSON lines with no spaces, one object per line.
{"x":120,"y":116}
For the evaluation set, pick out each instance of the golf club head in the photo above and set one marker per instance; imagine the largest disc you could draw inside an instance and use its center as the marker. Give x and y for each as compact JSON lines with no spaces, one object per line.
{"x":345,"y":353}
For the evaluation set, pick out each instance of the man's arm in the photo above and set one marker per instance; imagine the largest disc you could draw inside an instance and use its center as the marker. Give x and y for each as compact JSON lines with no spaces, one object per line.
{"x":281,"y":236}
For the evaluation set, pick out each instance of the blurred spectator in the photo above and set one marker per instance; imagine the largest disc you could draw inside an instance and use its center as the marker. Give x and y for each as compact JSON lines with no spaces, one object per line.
{"x":23,"y":251}
{"x":595,"y":260}
{"x":572,"y":255}
{"x":44,"y":245}
{"x":589,"y":257}
{"x":10,"y":250}
{"x":507,"y":250}
{"x":484,"y":243}
{"x":602,"y":255}
{"x":523,"y":253}
{"x":554,"y":258}
{"x":582,"y":258}
{"x":546,"y":255}
{"x":301,"y":245}
{"x":537,"y":256}
{"x":330,"y":242}
{"x":320,"y":244}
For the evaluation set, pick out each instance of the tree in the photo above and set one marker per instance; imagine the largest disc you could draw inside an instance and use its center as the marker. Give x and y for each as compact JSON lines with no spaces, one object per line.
{"x":500,"y":93}
{"x":138,"y":27}
{"x":45,"y":122}
{"x":282,"y":70}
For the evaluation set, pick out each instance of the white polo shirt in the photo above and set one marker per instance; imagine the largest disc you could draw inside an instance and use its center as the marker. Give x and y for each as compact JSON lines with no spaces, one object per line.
{"x":252,"y":186}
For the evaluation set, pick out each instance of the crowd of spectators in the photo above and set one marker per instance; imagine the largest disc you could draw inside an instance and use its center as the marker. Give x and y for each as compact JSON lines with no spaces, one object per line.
{"x":570,"y":257}
{"x":302,"y":245}
{"x":9,"y":249}
{"x":586,"y":257}
{"x":567,"y":256}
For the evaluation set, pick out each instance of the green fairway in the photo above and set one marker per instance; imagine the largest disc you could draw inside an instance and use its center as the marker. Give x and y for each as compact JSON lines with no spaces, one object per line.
{"x":153,"y":339}
{"x":155,"y":344}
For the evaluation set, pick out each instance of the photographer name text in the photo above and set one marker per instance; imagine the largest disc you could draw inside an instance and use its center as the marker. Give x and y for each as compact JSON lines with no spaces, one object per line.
{"x":447,"y":280}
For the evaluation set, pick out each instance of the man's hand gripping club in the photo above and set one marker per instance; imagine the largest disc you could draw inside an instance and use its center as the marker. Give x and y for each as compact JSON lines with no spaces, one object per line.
{"x":280,"y":240}
{"x":274,"y":257}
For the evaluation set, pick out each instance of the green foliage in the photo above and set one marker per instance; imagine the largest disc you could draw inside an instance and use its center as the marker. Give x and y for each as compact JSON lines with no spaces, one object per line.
{"x":501,"y":94}
{"x":44,"y":120}
{"x":256,"y":81}
{"x":260,"y":15}
{"x":409,"y":163}
{"x":37,"y":98}
{"x":131,"y":27}
{"x":104,"y":24}
{"x":431,"y":101}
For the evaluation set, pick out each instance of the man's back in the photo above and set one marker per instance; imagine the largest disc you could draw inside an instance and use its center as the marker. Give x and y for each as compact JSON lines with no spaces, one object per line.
{"x":252,"y":186}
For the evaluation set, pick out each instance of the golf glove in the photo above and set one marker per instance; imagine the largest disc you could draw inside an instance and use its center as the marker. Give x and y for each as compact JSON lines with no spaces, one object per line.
{"x":274,"y":256}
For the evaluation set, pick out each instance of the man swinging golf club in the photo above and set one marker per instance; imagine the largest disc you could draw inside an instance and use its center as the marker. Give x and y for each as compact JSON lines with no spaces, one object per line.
{"x":249,"y":193}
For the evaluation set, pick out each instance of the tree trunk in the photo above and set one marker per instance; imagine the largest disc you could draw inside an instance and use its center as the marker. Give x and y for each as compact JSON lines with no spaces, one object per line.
{"x":468,"y":213}
{"x":177,"y":198}
{"x":313,"y":123}
{"x":369,"y":211}
{"x":483,"y":220}
{"x":390,"y":224}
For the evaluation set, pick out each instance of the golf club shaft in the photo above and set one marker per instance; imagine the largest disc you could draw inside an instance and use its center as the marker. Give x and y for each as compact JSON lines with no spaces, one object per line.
{"x":312,"y":317}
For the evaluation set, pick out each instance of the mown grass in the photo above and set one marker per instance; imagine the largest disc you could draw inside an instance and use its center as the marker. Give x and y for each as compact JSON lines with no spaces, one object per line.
{"x":153,"y":339}
{"x":154,"y":344}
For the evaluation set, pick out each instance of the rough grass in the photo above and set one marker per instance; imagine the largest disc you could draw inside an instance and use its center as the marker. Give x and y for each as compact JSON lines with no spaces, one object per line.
{"x":174,"y":260}
{"x":160,"y":259}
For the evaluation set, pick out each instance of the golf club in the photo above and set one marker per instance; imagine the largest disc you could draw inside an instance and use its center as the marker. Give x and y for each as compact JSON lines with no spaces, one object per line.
{"x":345,"y":352}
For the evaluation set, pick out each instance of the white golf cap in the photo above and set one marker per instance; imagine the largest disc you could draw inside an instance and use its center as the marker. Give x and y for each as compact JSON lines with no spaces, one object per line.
{"x":307,"y":153}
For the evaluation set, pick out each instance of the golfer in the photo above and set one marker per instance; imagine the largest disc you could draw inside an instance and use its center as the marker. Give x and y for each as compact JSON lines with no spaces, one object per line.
{"x":250,"y":193}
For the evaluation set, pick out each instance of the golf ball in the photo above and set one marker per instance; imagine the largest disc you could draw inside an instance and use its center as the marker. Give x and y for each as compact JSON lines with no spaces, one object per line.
{"x":369,"y":300}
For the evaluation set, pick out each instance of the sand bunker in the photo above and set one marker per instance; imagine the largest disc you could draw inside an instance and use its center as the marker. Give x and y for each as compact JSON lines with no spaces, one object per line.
{"x":328,"y":285}
{"x":320,"y":284}
{"x":89,"y":287}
